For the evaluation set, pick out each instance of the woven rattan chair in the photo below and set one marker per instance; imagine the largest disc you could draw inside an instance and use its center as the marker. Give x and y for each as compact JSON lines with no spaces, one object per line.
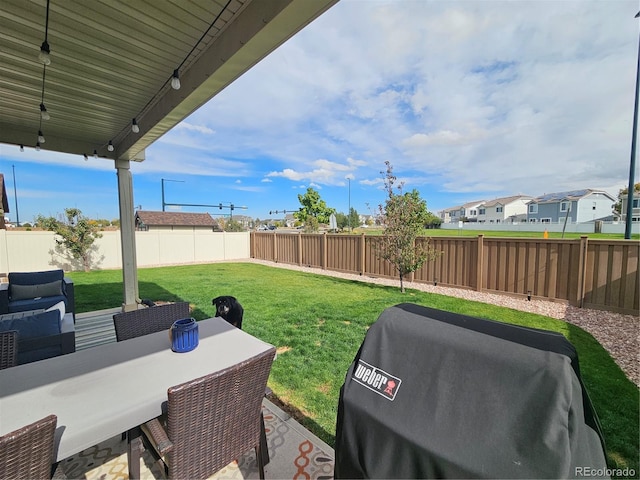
{"x":28,"y":452}
{"x":8,"y":349}
{"x":148,"y":320}
{"x":211,"y":421}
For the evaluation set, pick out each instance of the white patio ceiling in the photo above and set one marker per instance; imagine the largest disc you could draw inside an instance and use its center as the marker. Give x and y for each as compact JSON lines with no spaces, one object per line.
{"x":112,"y":61}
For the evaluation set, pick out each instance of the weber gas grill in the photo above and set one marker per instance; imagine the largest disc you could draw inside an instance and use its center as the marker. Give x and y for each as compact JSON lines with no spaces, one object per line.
{"x":433,"y":394}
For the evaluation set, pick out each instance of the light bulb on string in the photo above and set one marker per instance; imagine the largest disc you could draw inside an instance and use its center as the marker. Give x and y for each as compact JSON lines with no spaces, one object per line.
{"x":22,"y":148}
{"x":110,"y":146}
{"x":43,"y":112}
{"x":40,"y":137}
{"x":134,"y":126}
{"x":175,"y":80}
{"x":86,"y":158}
{"x":95,"y":154}
{"x":44,"y":55}
{"x":37,"y":146}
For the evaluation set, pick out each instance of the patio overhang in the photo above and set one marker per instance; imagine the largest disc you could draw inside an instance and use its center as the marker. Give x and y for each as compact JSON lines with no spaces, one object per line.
{"x":112,"y":61}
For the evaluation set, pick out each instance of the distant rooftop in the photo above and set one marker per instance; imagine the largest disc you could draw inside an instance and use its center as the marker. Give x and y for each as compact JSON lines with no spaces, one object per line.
{"x":175,"y":219}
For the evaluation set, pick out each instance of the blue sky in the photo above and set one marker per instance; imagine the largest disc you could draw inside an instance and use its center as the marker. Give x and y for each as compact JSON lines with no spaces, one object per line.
{"x":468,"y":100}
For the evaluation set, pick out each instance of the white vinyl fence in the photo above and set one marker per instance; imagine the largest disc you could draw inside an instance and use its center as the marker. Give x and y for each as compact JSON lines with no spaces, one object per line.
{"x":30,"y":251}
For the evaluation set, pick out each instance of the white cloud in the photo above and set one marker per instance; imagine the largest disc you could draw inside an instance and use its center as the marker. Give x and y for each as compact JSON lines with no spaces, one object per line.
{"x":193,"y":128}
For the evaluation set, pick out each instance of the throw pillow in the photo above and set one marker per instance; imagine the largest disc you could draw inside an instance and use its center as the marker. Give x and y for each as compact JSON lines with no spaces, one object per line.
{"x":58,"y":307}
{"x":23,"y":292}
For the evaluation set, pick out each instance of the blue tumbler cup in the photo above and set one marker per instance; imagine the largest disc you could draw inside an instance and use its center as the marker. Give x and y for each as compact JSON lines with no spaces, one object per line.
{"x":184,"y":335}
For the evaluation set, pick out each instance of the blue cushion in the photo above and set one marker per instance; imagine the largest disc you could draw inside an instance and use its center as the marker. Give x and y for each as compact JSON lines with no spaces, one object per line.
{"x":38,"y":325}
{"x":33,"y":304}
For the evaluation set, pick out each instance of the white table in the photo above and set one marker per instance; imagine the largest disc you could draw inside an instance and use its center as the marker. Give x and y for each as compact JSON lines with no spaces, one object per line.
{"x":103,"y":391}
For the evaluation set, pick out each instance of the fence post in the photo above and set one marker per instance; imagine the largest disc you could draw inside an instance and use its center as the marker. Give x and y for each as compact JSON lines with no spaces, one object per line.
{"x":582,"y":269}
{"x":479,"y":270}
{"x":324,"y":251}
{"x":299,"y":248}
{"x":275,"y":247}
{"x":363,"y":257}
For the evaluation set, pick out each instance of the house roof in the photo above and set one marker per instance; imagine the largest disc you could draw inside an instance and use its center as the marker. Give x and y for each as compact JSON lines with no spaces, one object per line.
{"x":175,"y":219}
{"x":472,"y":204}
{"x":505,"y":200}
{"x":571,"y":195}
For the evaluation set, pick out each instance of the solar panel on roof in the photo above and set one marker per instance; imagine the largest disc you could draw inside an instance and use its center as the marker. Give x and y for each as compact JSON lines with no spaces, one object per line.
{"x":560,"y":195}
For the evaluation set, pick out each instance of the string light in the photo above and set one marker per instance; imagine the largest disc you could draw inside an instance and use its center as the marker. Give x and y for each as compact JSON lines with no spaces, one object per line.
{"x":95,"y":154}
{"x":37,"y":146}
{"x":21,"y":148}
{"x":134,"y":126}
{"x":40,"y":137}
{"x":110,"y":146}
{"x":43,"y":111}
{"x":44,"y":55}
{"x":86,"y":158}
{"x":175,"y":80}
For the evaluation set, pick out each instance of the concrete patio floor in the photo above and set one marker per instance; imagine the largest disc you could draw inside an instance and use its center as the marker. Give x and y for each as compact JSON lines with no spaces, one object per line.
{"x":294,"y":452}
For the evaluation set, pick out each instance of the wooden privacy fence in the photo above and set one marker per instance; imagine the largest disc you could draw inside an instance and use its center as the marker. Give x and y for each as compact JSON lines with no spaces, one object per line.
{"x":601,"y":274}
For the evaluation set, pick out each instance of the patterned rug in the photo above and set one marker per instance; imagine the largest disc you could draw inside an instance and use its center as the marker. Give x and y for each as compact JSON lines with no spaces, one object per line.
{"x":293,"y":451}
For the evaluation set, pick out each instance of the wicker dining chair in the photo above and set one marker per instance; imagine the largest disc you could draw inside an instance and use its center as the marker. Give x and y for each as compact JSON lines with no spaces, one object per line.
{"x":27,"y":453}
{"x":8,"y":349}
{"x":144,"y":321}
{"x":210,"y":421}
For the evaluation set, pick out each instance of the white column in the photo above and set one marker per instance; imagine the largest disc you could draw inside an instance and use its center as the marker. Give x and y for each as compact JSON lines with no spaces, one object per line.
{"x":127,"y":236}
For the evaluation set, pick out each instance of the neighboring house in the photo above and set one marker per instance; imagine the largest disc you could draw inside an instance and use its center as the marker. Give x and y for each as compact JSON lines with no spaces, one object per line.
{"x":366,"y":220}
{"x":469,"y":211}
{"x":581,"y":206}
{"x":244,"y":220}
{"x":146,"y":221}
{"x":635,"y":212}
{"x":504,"y":210}
{"x":449,"y":215}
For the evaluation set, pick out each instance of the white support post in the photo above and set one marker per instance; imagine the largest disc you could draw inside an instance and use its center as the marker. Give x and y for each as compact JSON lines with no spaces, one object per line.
{"x":127,"y":236}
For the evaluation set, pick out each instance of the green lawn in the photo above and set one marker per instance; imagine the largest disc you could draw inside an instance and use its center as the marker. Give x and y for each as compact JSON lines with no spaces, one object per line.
{"x":318,"y":324}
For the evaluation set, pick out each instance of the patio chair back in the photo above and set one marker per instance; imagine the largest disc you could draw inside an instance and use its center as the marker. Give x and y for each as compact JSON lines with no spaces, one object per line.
{"x":148,"y":320}
{"x":27,"y":453}
{"x":213,"y":420}
{"x":8,"y":349}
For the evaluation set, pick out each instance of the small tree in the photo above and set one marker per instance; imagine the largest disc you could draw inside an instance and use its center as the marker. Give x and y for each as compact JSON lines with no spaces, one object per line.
{"x":353,"y":218}
{"x":405,"y":215}
{"x":77,"y":234}
{"x":341,"y":220}
{"x":313,"y":207}
{"x":617,"y":207}
{"x":233,"y":226}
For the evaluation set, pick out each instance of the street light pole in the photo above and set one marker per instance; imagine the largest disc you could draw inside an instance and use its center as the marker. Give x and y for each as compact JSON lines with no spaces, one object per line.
{"x":632,"y":163}
{"x":162,"y":182}
{"x":349,"y":214}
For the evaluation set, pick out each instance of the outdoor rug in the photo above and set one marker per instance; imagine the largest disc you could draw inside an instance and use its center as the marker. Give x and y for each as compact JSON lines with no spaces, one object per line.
{"x":294,"y":453}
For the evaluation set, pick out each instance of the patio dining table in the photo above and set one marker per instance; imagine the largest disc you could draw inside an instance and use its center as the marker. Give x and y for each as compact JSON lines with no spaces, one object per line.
{"x":100,"y":392}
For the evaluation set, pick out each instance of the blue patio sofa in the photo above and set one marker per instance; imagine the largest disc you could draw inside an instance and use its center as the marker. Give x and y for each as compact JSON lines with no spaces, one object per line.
{"x":42,"y":333}
{"x":36,"y":290}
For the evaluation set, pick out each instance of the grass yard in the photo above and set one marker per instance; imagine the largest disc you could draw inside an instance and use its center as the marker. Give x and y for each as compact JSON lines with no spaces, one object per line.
{"x":318,"y":323}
